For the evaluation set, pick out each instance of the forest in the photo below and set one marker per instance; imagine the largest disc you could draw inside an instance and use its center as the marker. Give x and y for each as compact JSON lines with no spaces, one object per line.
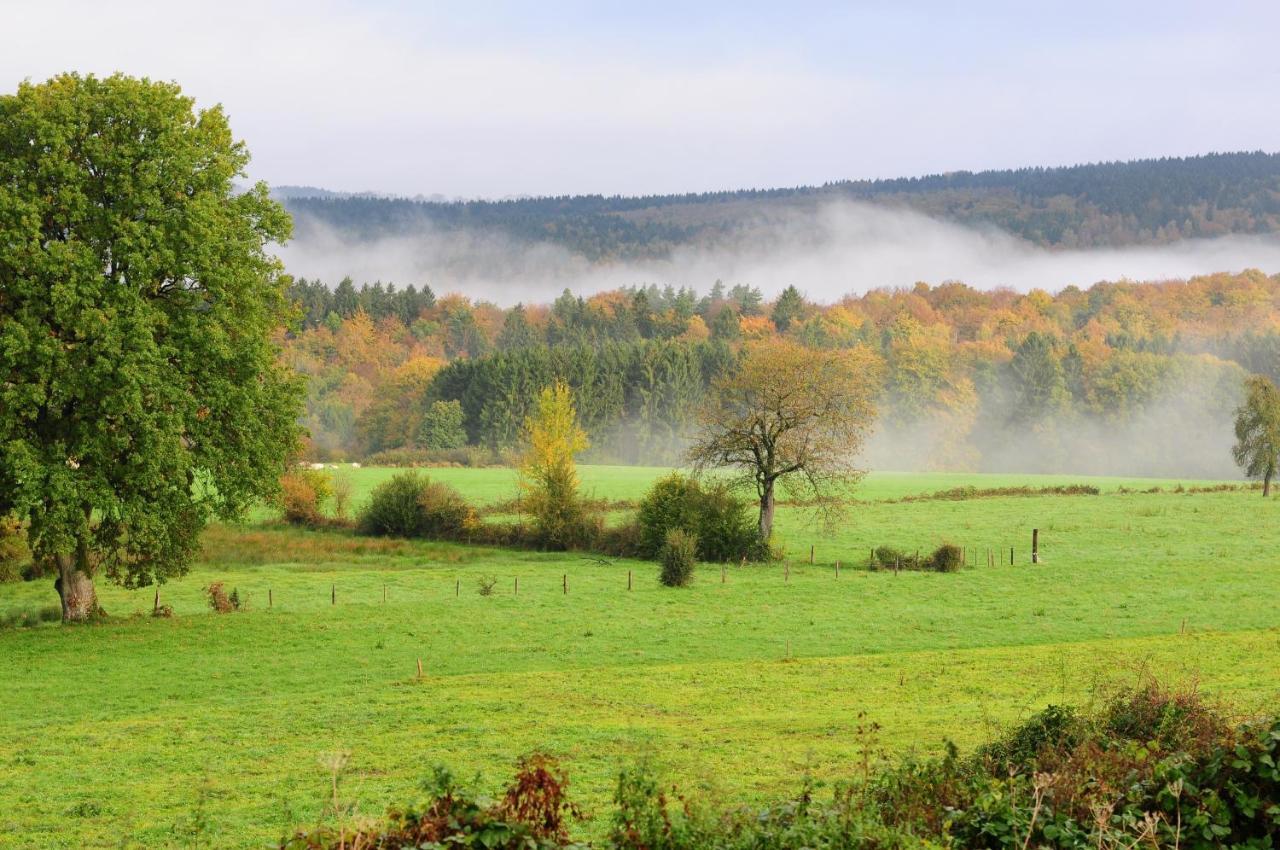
{"x":1122,"y":377}
{"x":1155,"y":201}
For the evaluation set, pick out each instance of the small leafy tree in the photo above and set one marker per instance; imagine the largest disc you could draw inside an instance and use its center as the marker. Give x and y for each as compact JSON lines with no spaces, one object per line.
{"x":548,"y":472}
{"x":141,"y":386}
{"x":793,"y":416}
{"x":1257,"y":448}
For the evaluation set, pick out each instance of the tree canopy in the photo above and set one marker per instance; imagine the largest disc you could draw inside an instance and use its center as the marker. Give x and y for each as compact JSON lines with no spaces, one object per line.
{"x":141,"y":391}
{"x":1257,"y":448}
{"x":793,"y":416}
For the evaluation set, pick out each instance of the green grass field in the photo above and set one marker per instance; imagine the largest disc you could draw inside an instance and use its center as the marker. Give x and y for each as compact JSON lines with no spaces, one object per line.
{"x":733,"y":688}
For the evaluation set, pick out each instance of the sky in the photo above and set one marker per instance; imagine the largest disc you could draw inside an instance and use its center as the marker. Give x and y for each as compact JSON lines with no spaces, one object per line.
{"x":481,"y":99}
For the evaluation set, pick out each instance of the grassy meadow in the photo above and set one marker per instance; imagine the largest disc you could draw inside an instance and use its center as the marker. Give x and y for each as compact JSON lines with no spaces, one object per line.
{"x":736,"y":686}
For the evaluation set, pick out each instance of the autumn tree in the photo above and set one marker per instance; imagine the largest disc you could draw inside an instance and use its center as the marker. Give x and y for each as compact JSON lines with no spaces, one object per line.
{"x":1257,"y":448}
{"x":789,"y":416}
{"x":548,"y":470}
{"x":140,"y":387}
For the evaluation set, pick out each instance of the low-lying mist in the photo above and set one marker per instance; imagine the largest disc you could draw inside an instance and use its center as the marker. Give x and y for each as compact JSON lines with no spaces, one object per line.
{"x":827,"y":252}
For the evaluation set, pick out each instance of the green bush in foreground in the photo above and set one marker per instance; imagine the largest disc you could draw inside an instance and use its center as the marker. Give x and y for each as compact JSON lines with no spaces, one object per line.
{"x":678,"y":556}
{"x":1154,"y":769}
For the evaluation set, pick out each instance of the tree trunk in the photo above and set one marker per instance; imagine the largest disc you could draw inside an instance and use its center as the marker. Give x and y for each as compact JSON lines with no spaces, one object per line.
{"x":766,"y":513}
{"x":75,"y":587}
{"x":1266,"y":483}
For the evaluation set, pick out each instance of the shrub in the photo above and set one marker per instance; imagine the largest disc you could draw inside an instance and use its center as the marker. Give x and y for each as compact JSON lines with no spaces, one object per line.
{"x":485,"y":584}
{"x":444,"y":512}
{"x":394,"y":508}
{"x":303,"y":493}
{"x":412,"y":505}
{"x":533,"y":814}
{"x":671,"y":503}
{"x":15,"y":555}
{"x":947,"y":558}
{"x":714,"y":515}
{"x":221,"y":601}
{"x":678,"y":556}
{"x":623,"y":540}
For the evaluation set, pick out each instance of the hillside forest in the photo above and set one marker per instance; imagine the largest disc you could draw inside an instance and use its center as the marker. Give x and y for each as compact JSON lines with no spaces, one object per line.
{"x":1122,"y":377}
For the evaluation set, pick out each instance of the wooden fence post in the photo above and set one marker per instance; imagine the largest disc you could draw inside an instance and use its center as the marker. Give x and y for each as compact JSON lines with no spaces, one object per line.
{"x":269,"y":600}
{"x":333,"y":594}
{"x":1035,"y":545}
{"x":565,"y":582}
{"x":517,"y":587}
{"x":810,"y":554}
{"x":837,"y":569}
{"x":1011,"y":556}
{"x":628,"y":579}
{"x":419,"y":668}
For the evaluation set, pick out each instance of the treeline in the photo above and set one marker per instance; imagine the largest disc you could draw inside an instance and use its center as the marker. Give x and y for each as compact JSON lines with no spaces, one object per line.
{"x":972,"y":379}
{"x":1116,"y":203}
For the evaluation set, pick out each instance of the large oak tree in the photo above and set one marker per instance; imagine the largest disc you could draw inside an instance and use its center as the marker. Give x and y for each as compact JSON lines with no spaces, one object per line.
{"x":793,"y":416}
{"x":140,"y":387}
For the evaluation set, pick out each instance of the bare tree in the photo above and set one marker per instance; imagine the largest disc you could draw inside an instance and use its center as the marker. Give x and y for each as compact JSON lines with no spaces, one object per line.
{"x":793,"y":416}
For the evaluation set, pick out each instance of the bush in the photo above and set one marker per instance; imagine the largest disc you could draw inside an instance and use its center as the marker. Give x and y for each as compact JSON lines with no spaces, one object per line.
{"x":533,"y":814}
{"x":718,"y":519}
{"x":411,"y":505}
{"x":303,"y":493}
{"x":15,"y":555}
{"x":947,"y":558}
{"x":221,"y":601}
{"x":678,"y":556}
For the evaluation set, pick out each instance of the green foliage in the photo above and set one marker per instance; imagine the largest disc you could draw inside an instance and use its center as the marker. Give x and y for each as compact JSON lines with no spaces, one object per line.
{"x":15,"y":554}
{"x":442,"y":426}
{"x":144,"y":392}
{"x":789,"y":309}
{"x":1257,"y":448}
{"x":718,"y":519}
{"x":412,"y":505}
{"x":947,"y":558}
{"x":678,"y":556}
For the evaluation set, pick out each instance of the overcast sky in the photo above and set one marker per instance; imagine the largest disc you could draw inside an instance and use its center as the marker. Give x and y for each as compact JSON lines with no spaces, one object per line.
{"x":478,"y":99}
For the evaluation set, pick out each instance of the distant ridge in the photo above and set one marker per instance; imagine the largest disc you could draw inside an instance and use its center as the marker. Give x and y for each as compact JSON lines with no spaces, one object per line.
{"x":1149,"y":201}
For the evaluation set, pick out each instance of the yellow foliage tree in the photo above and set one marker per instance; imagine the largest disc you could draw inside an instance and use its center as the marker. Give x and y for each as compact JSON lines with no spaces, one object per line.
{"x":548,"y":471}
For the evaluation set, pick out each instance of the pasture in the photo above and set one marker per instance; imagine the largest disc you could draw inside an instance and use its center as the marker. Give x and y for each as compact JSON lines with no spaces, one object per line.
{"x":735,"y":687}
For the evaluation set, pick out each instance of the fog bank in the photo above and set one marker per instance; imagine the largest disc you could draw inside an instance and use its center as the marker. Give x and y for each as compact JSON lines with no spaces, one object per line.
{"x":827,"y":252}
